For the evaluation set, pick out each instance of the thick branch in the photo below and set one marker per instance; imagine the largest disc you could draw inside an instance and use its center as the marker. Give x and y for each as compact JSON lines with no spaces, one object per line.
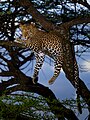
{"x":56,"y":107}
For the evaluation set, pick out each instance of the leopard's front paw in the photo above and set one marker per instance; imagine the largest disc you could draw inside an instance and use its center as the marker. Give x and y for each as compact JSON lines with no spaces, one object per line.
{"x":35,"y":80}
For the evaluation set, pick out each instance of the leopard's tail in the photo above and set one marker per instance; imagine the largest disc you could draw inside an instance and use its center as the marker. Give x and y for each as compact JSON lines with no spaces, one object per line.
{"x":76,"y":79}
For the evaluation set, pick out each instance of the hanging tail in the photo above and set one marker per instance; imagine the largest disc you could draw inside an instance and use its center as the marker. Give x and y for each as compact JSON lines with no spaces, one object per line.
{"x":76,"y":78}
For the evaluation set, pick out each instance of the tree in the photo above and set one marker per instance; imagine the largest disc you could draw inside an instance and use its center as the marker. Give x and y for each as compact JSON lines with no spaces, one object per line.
{"x":66,"y":23}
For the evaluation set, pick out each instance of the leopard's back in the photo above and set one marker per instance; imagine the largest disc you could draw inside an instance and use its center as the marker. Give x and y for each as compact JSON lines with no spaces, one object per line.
{"x":51,"y":44}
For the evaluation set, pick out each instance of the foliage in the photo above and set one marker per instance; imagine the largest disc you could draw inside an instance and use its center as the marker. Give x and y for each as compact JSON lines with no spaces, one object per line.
{"x":31,"y":106}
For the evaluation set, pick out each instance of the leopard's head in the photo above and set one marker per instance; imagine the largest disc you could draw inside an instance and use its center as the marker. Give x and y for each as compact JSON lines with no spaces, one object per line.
{"x":28,"y":30}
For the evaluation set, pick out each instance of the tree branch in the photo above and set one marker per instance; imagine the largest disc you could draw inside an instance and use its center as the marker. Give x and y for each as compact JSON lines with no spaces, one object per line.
{"x":6,"y":74}
{"x":79,"y":20}
{"x":84,"y":3}
{"x":11,"y":44}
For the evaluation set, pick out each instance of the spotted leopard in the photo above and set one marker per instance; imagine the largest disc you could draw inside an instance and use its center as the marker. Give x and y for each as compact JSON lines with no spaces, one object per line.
{"x":43,"y":43}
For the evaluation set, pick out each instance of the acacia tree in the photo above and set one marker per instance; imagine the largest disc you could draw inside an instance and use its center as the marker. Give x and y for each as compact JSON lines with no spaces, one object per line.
{"x":49,"y":15}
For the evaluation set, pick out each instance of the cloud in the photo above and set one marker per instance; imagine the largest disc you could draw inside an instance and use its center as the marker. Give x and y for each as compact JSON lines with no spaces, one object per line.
{"x":86,"y":66}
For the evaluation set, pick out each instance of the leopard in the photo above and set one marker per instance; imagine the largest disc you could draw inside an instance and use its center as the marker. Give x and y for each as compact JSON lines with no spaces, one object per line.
{"x":43,"y":43}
